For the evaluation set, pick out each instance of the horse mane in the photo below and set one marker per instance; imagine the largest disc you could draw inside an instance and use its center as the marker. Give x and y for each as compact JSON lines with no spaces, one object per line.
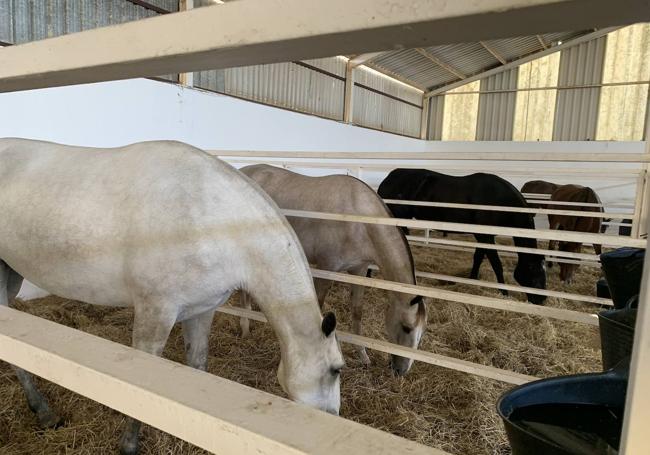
{"x":389,"y":214}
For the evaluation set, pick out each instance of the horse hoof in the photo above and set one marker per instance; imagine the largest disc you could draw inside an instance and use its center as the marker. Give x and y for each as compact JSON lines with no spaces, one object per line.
{"x":129,"y":447}
{"x":365,"y":360}
{"x":49,"y":420}
{"x":504,"y":292}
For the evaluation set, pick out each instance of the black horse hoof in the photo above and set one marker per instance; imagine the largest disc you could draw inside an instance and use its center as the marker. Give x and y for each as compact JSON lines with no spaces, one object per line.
{"x":50,"y":421}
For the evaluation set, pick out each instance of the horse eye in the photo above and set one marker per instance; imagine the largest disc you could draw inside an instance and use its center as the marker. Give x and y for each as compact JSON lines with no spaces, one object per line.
{"x":335,"y":371}
{"x":406,"y":329}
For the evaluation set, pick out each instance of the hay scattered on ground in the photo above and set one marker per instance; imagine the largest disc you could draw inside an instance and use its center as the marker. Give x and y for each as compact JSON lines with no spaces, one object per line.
{"x":435,"y":406}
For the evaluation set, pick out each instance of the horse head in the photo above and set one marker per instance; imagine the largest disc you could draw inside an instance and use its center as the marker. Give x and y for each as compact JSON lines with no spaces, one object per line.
{"x":406,"y":320}
{"x":531,"y":272}
{"x":310,"y":372}
{"x":567,"y":271}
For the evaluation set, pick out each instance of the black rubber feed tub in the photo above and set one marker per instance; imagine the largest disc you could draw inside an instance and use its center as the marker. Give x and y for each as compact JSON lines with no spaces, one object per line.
{"x":602,"y":289}
{"x":616,"y":335}
{"x":623,"y":268}
{"x":577,"y":415}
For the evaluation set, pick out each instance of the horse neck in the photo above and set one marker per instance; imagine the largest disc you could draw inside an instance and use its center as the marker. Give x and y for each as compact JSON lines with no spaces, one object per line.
{"x":392,"y":254}
{"x":283,"y":288}
{"x":525,"y":222}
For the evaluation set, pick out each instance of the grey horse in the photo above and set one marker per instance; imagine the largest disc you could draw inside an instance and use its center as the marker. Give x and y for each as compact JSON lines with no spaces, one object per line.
{"x":170,"y":231}
{"x":349,"y":247}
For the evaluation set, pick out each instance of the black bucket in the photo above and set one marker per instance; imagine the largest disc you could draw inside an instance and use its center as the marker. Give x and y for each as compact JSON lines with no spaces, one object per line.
{"x":625,"y":230}
{"x":616,"y":334}
{"x":602,"y":289}
{"x":623,"y":268}
{"x":567,"y":415}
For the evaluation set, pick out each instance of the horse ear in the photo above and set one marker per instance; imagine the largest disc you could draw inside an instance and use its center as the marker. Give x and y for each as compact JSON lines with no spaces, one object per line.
{"x":329,"y":324}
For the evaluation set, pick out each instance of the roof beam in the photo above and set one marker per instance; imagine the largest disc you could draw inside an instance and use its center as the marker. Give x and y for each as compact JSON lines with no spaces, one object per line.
{"x":149,"y":6}
{"x":494,"y":53}
{"x":542,"y":42}
{"x":440,"y":63}
{"x":186,"y":41}
{"x":521,"y":61}
{"x":395,"y":76}
{"x":362,"y":59}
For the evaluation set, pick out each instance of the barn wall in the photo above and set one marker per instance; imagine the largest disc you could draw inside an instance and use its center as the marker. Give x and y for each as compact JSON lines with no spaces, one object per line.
{"x":496,"y":111}
{"x":460,"y":113}
{"x":398,"y":113}
{"x":22,"y":21}
{"x":436,"y":112}
{"x":122,"y":112}
{"x":379,"y":102}
{"x":621,"y":107}
{"x":119,"y":113}
{"x":550,"y":100}
{"x":576,"y":110}
{"x":313,"y":86}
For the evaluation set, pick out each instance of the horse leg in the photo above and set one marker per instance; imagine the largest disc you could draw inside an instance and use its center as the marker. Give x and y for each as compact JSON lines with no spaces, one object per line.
{"x":10,"y":283}
{"x":152,"y":323}
{"x":245,"y":303}
{"x":552,"y":224}
{"x":196,"y":333}
{"x":356,"y":302}
{"x":322,"y":286}
{"x":479,"y":253}
{"x":598,"y":249}
{"x":493,"y":257}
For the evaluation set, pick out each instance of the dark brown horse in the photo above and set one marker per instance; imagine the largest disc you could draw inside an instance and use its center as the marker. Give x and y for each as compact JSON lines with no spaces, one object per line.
{"x":574,"y":193}
{"x":539,"y":187}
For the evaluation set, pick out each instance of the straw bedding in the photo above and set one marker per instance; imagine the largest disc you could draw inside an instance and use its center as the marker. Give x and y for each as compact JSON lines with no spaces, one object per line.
{"x":435,"y":406}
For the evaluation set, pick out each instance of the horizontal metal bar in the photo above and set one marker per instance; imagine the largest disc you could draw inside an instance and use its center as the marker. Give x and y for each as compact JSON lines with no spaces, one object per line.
{"x":289,"y":30}
{"x":502,"y":208}
{"x":210,"y":412}
{"x":451,"y":363}
{"x":149,"y":6}
{"x":601,"y":173}
{"x":504,"y":253}
{"x":460,"y":297}
{"x":544,"y":234}
{"x":387,"y":95}
{"x":515,"y":288}
{"x":510,"y":248}
{"x":535,"y":89}
{"x":442,"y":156}
{"x":582,"y":204}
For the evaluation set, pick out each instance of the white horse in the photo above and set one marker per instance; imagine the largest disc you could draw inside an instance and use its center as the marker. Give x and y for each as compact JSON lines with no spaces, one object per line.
{"x":170,"y":231}
{"x":349,"y":247}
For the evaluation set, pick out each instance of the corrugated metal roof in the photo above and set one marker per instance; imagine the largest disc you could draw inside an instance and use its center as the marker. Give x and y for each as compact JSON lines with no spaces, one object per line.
{"x":413,"y":67}
{"x":467,"y":59}
{"x":286,"y":85}
{"x":23,"y":21}
{"x":334,"y":65}
{"x":169,"y":5}
{"x":514,"y":48}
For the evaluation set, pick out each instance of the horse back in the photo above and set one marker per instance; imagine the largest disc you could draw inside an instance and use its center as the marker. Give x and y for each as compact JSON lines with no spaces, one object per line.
{"x":576,"y":193}
{"x":476,"y":189}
